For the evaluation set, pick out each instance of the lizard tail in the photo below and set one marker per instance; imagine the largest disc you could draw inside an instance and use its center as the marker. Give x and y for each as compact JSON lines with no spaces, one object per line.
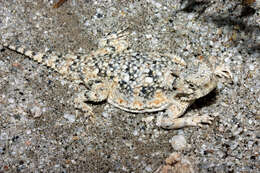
{"x":62,"y":64}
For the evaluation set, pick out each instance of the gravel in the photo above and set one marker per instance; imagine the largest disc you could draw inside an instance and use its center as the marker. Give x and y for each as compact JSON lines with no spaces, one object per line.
{"x":40,"y":131}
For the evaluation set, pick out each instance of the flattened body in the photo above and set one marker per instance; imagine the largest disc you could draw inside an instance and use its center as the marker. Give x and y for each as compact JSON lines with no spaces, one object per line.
{"x":138,"y":82}
{"x":135,"y":81}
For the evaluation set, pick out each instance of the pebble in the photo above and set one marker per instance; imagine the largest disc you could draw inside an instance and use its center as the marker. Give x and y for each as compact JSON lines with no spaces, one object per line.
{"x":37,"y":111}
{"x":177,"y":163}
{"x":251,"y":67}
{"x":3,"y":136}
{"x":70,"y":117}
{"x":183,"y":33}
{"x":148,"y":80}
{"x":178,"y":142}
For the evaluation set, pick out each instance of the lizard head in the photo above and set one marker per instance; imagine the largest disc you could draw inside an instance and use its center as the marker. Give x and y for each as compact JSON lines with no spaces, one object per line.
{"x":196,"y":81}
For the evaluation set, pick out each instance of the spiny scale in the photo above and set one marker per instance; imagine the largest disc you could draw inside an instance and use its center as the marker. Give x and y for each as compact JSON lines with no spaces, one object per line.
{"x":64,"y":65}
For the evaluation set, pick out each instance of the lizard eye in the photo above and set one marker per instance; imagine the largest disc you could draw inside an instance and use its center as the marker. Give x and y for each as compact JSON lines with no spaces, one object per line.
{"x":191,"y":86}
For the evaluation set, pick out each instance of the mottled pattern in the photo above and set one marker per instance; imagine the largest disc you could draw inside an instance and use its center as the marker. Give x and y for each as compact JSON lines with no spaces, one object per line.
{"x":138,"y":78}
{"x":134,"y":81}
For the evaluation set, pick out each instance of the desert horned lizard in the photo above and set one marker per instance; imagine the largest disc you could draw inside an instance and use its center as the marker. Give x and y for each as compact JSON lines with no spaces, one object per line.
{"x":133,"y":81}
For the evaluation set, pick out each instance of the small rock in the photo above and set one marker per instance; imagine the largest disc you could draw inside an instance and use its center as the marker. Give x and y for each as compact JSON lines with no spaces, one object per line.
{"x":175,"y":163}
{"x":105,"y":115}
{"x":173,"y":158}
{"x":178,"y":142}
{"x":148,"y":168}
{"x":148,"y":80}
{"x":37,"y":111}
{"x":71,"y":118}
{"x":236,"y":130}
{"x":251,"y":67}
{"x":3,"y":136}
{"x":126,"y":77}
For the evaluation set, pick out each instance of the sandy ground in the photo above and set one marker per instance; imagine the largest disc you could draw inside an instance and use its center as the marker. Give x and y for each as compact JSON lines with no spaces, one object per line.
{"x":40,"y":131}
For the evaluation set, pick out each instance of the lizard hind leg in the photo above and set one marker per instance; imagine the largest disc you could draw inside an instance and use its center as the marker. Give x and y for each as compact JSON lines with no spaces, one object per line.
{"x":174,"y":122}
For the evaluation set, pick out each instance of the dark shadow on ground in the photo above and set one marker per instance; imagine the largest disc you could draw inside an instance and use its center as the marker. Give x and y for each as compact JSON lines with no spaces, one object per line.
{"x":236,"y":20}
